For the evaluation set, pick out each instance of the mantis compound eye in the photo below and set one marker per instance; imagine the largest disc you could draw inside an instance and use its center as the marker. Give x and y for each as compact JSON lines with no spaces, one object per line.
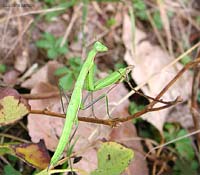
{"x":99,"y":47}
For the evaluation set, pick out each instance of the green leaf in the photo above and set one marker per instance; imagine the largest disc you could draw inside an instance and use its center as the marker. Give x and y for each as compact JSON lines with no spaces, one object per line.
{"x":133,"y":108}
{"x":63,"y":4}
{"x":52,"y":53}
{"x":185,"y":167}
{"x":48,"y":36}
{"x":75,"y":62}
{"x":119,"y":66}
{"x":2,"y":68}
{"x":110,"y":22}
{"x":170,"y":131}
{"x":184,"y":146}
{"x":113,"y":159}
{"x":58,"y":42}
{"x":51,"y":2}
{"x":66,"y":82}
{"x":186,"y":59}
{"x":47,"y":41}
{"x":140,"y":9}
{"x":6,"y":148}
{"x":62,"y":71}
{"x":44,"y":44}
{"x":157,"y":20}
{"x":9,"y":170}
{"x":62,"y":50}
{"x":198,"y":19}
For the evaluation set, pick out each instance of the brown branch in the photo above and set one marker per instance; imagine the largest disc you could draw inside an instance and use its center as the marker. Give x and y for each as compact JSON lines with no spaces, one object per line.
{"x":110,"y":122}
{"x":84,"y":119}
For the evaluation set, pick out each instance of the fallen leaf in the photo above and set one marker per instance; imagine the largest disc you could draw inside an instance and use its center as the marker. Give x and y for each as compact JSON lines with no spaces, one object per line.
{"x":42,"y":126}
{"x":12,"y":106}
{"x":44,"y":74}
{"x":149,"y":62}
{"x":34,"y":154}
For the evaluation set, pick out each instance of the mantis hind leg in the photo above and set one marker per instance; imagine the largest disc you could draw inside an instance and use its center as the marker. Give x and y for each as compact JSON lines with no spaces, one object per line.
{"x":62,"y":93}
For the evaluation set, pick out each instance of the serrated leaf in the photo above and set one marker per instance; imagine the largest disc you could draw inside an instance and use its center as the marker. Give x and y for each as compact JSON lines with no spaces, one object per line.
{"x":12,"y":106}
{"x":113,"y":158}
{"x":34,"y":154}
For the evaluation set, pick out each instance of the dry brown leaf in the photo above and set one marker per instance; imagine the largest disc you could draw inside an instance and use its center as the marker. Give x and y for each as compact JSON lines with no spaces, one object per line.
{"x":42,"y":126}
{"x":149,"y":61}
{"x":44,"y":74}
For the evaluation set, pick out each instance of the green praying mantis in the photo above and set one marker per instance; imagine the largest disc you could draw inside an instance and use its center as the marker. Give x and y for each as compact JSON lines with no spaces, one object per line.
{"x":84,"y":80}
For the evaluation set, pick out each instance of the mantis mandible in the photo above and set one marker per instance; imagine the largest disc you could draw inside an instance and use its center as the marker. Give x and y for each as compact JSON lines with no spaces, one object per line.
{"x":86,"y":75}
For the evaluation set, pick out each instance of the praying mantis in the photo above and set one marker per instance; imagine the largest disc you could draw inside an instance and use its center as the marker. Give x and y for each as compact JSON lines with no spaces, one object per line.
{"x":86,"y":77}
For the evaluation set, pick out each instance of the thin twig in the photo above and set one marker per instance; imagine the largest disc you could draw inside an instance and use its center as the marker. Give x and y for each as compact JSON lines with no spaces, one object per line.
{"x":41,"y":95}
{"x":33,"y":12}
{"x":69,"y":28}
{"x":19,"y":38}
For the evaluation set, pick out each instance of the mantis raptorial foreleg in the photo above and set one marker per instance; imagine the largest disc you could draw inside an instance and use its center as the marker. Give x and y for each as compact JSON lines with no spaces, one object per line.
{"x":111,"y":79}
{"x":86,"y":75}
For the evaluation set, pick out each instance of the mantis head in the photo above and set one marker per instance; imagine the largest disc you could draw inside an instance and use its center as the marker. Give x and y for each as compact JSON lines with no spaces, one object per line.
{"x":99,"y":47}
